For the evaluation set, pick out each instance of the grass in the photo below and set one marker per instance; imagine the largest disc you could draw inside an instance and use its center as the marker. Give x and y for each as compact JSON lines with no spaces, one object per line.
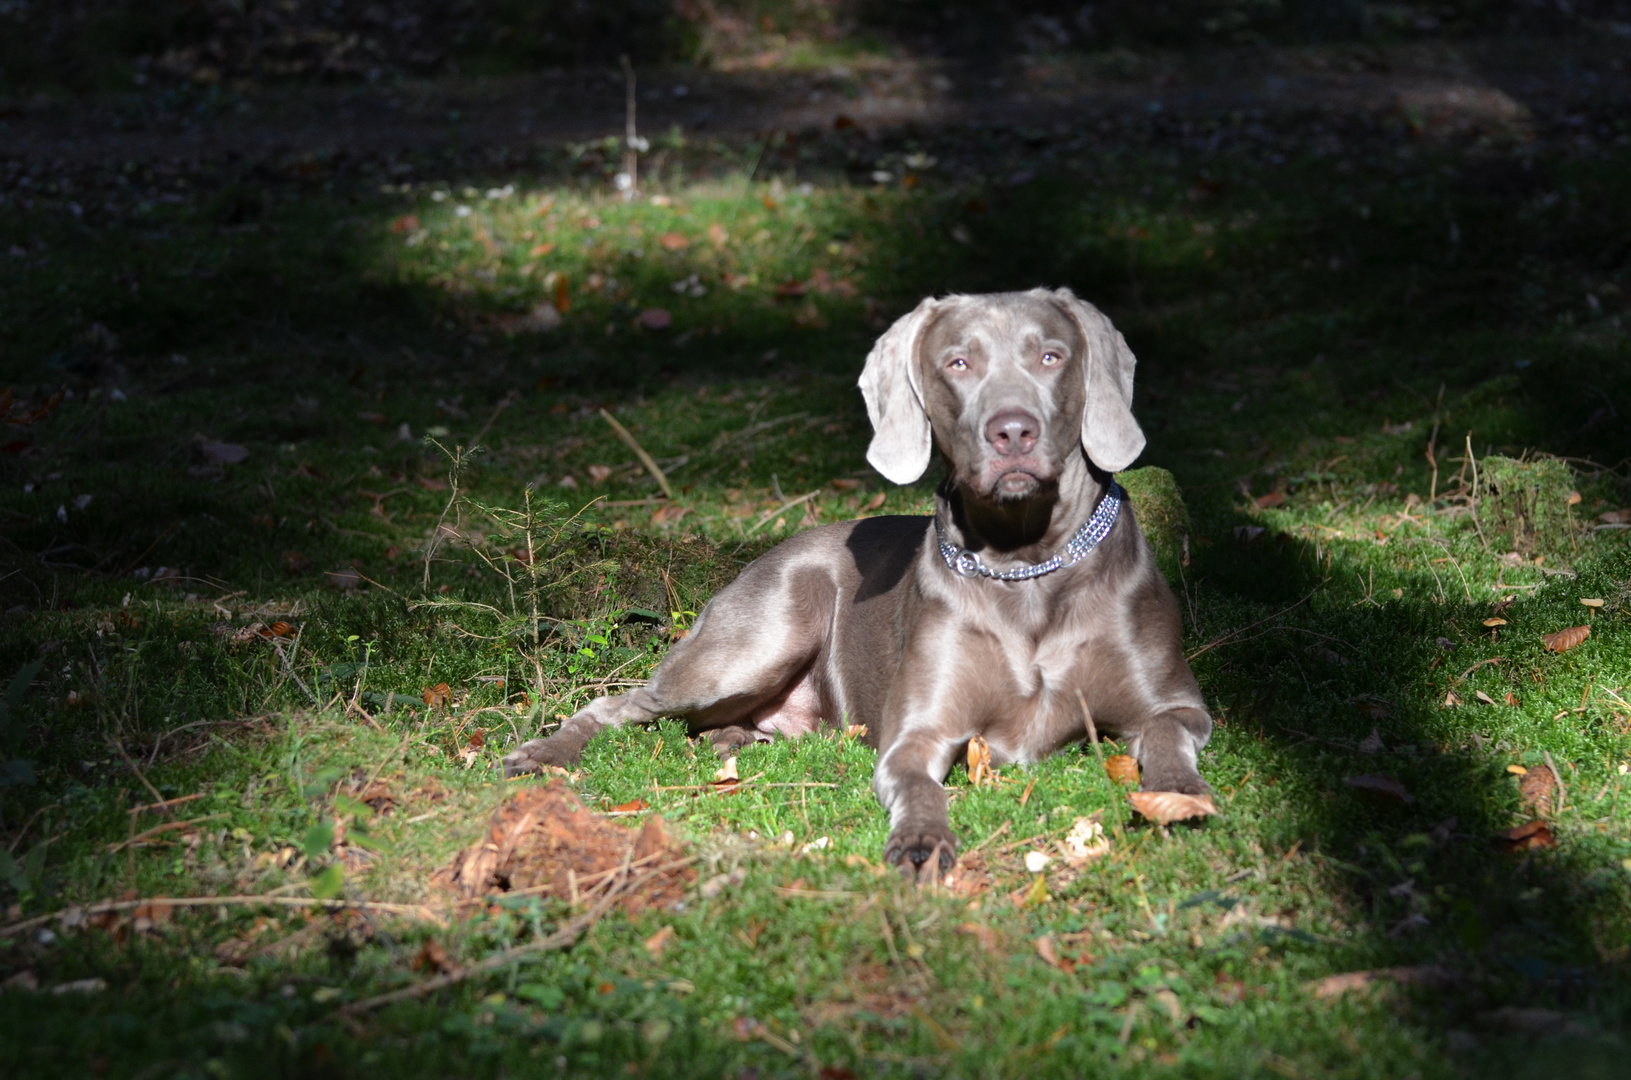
{"x":1304,"y":326}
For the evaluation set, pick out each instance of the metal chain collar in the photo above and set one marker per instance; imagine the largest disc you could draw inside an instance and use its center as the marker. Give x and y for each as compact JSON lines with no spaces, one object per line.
{"x":966,"y":563}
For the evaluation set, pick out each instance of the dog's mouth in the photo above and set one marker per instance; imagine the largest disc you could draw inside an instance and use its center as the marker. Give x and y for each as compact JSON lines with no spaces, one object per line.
{"x":1015,"y":483}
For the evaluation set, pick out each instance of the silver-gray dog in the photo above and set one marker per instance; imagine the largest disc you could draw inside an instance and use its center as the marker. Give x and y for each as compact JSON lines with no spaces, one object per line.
{"x":1029,"y":586}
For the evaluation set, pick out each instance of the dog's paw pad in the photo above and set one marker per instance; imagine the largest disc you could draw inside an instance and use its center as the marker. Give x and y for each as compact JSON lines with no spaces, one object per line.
{"x":922,"y":853}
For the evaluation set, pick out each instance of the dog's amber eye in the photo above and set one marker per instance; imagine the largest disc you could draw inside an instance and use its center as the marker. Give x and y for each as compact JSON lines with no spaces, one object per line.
{"x":958,"y":364}
{"x":1050,"y":358}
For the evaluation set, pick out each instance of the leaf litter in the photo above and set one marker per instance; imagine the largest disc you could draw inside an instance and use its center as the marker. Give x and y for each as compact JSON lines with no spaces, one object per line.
{"x":544,"y":841}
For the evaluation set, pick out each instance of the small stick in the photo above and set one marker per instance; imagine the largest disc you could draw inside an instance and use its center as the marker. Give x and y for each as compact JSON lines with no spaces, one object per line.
{"x":783,"y":508}
{"x":640,"y":452}
{"x":562,"y":938}
{"x":166,"y":827}
{"x":998,"y":831}
{"x":1562,"y":792}
{"x":1473,"y":502}
{"x":1092,"y":732}
{"x":166,"y":804}
{"x":416,"y":910}
{"x":631,"y":149}
{"x":1215,"y":642}
{"x":117,"y":745}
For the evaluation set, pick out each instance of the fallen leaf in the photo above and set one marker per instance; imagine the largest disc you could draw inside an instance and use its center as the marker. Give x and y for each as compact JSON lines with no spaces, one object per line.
{"x":432,"y":958}
{"x":634,"y":806}
{"x":1371,"y":744}
{"x":983,"y":934}
{"x":845,"y":483}
{"x":1271,"y":500}
{"x":717,"y":235}
{"x":1536,"y":788}
{"x":876,"y":501}
{"x":855,"y":731}
{"x":1616,"y":517}
{"x":667,"y":515}
{"x":1377,"y":784}
{"x":1483,"y":697}
{"x":1122,"y":768}
{"x":1511,"y":698}
{"x":1451,"y":699}
{"x":1535,"y":834}
{"x":1037,"y":894}
{"x":478,"y":738}
{"x":727,"y":773}
{"x":538,"y":250}
{"x":1336,"y":985}
{"x":654,"y":319}
{"x":436,"y":696}
{"x":1050,"y":954}
{"x":657,"y":943}
{"x":1165,"y":807}
{"x":222,"y":453}
{"x":599,"y":474}
{"x":407,"y":223}
{"x":1564,"y":640}
{"x":1086,"y":840}
{"x":673,"y":241}
{"x":980,"y":771}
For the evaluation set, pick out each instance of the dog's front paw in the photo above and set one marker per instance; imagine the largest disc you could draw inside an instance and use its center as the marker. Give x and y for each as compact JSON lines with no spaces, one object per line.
{"x":533,"y":755}
{"x":1181,"y":779}
{"x":923,"y":852}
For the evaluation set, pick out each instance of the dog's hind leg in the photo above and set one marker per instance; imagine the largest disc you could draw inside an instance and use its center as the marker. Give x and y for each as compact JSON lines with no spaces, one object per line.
{"x":754,"y":643}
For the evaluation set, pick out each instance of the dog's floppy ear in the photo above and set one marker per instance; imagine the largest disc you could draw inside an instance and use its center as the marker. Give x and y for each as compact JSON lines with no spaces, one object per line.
{"x":1110,"y":435}
{"x":893,"y":388}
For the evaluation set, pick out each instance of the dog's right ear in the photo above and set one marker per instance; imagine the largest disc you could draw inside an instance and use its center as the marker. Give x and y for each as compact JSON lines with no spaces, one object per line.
{"x":893,"y":388}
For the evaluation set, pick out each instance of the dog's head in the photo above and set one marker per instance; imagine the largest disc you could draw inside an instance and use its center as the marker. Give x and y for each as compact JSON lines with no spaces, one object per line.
{"x":1007,"y":385}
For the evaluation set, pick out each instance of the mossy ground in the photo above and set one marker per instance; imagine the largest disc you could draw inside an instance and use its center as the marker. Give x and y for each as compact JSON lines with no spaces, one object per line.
{"x":1305,"y":324}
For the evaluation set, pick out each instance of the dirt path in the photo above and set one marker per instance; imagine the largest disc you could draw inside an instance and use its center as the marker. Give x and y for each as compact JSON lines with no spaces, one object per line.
{"x":1560,"y":88}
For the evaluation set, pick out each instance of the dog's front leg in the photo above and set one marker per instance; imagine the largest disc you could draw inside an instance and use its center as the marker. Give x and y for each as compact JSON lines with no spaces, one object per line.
{"x":908,"y":783}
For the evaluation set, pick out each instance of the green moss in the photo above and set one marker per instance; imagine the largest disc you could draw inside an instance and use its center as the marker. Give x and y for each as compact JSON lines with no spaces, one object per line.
{"x":1158,"y":505}
{"x":1523,"y":506}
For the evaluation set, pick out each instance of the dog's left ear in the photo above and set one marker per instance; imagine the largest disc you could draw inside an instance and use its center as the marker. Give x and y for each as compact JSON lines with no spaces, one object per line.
{"x":1110,"y":435}
{"x":893,"y":388}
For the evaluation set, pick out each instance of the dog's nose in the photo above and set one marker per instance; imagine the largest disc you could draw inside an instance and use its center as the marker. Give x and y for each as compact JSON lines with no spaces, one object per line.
{"x":1012,"y":431}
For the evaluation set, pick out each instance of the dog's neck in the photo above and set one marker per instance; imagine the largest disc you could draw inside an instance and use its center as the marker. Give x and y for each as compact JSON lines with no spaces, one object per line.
{"x":1021,"y":530}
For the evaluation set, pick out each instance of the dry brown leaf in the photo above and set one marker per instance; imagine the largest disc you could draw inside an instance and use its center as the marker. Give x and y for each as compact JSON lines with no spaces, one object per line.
{"x":1272,"y":499}
{"x":876,"y":501}
{"x":1511,"y":698}
{"x":845,"y":483}
{"x":436,"y":696}
{"x":1536,"y":788}
{"x":1165,"y":807}
{"x":727,"y":773}
{"x":657,"y":943}
{"x":980,"y":771}
{"x":983,"y":934}
{"x":717,"y":235}
{"x":1527,"y":837}
{"x":668,"y":515}
{"x":1564,"y":640}
{"x":1122,"y":768}
{"x":855,"y":731}
{"x":433,"y":959}
{"x":1451,"y":699}
{"x":1377,"y":784}
{"x":673,"y":241}
{"x":633,"y":806}
{"x":1483,"y":697}
{"x":1049,"y":952}
{"x":1336,"y":985}
{"x":599,"y":474}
